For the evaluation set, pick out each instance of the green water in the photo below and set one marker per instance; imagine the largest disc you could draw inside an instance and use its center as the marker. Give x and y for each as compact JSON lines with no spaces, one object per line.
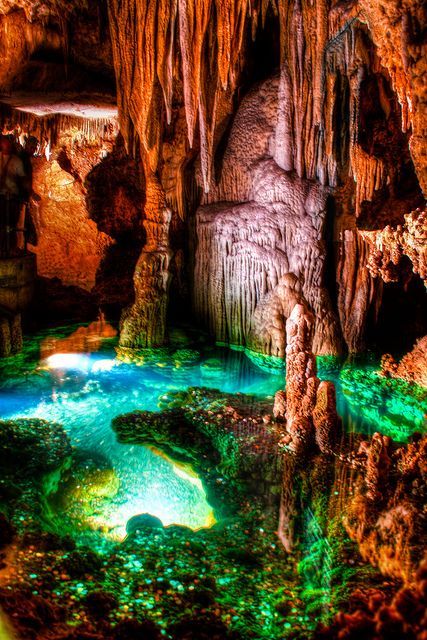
{"x":236,"y":570}
{"x":73,"y":376}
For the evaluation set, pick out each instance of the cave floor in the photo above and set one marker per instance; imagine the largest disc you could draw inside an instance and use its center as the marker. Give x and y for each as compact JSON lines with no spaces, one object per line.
{"x":79,"y":562}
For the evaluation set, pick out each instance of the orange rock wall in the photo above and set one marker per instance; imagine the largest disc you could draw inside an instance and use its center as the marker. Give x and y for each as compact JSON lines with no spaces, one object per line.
{"x":70,"y":246}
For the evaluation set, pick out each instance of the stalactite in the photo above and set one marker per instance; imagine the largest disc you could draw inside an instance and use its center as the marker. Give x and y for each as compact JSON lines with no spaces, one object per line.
{"x":210,"y":34}
{"x":48,"y":128}
{"x":360,"y":293}
{"x":165,"y":44}
{"x":404,"y":57}
{"x":193,"y":22}
{"x":321,"y":44}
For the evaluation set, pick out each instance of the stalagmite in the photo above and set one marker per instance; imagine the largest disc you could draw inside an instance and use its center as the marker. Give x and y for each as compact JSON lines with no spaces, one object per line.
{"x":144,"y":323}
{"x":308,"y":408}
{"x":301,"y":379}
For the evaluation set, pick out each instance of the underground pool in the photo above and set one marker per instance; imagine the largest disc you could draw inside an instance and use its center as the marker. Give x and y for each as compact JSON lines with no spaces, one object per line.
{"x":128,"y":522}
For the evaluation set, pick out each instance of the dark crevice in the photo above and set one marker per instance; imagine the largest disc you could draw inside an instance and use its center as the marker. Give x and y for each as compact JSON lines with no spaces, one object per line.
{"x":402,"y":315}
{"x":380,"y":135}
{"x":330,"y":279}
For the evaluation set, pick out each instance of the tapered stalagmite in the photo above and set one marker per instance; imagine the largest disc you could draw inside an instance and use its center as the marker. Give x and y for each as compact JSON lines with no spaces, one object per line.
{"x":301,"y":377}
{"x":308,"y":409}
{"x":301,"y":387}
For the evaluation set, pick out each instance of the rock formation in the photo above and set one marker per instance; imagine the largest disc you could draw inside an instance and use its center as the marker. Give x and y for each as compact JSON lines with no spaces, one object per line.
{"x":308,"y":406}
{"x":385,"y":514}
{"x":412,"y":367}
{"x":374,"y":615}
{"x":255,"y":260}
{"x":300,"y":172}
{"x":309,"y":411}
{"x":10,"y":333}
{"x":390,"y":244}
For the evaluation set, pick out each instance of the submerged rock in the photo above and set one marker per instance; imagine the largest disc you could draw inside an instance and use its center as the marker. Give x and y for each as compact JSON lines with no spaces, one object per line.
{"x":87,"y":485}
{"x":143,"y":521}
{"x":32,"y":446}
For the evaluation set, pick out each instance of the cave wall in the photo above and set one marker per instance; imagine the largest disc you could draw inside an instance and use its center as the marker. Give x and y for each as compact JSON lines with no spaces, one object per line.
{"x":88,"y":217}
{"x":70,"y":246}
{"x":185,"y":71}
{"x":324,"y":152}
{"x":87,"y":208}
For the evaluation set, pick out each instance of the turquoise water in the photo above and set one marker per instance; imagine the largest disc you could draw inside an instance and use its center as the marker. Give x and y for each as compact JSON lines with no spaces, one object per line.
{"x":74,"y":376}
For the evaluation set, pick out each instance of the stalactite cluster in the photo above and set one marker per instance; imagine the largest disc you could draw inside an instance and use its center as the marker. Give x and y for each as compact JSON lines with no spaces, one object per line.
{"x":309,"y":121}
{"x":178,"y":66}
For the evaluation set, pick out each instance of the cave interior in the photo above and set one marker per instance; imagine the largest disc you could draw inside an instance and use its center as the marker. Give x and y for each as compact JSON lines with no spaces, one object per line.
{"x":213,"y":319}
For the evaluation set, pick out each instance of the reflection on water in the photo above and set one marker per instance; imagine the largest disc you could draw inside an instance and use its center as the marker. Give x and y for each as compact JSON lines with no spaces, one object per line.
{"x":84,"y":339}
{"x":73,"y":376}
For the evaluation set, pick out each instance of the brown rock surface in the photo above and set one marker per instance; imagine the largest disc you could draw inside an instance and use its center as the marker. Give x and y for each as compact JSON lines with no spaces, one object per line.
{"x":389,"y":245}
{"x":70,"y":246}
{"x":412,"y":367}
{"x":385,"y":514}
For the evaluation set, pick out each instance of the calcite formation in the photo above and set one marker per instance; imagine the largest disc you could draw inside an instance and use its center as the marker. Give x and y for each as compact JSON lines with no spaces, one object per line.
{"x":374,"y":614}
{"x":308,"y":406}
{"x":412,"y":367}
{"x":327,"y":424}
{"x":385,"y":513}
{"x":260,"y":250}
{"x":291,"y":141}
{"x":309,"y":411}
{"x":325,"y":151}
{"x":301,"y":379}
{"x":389,"y":245}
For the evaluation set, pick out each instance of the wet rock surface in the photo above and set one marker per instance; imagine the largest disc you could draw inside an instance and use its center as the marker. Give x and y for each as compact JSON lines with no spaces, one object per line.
{"x":167,"y":578}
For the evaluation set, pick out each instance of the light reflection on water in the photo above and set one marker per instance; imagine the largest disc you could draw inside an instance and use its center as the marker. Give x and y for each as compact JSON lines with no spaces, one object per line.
{"x":74,"y":378}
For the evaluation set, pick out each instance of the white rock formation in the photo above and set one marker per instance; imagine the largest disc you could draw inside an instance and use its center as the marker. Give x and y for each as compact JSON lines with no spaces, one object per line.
{"x":256,"y":260}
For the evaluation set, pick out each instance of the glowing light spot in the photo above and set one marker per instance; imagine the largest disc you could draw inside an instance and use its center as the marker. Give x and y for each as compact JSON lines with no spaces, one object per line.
{"x":103,"y":365}
{"x":64,"y":361}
